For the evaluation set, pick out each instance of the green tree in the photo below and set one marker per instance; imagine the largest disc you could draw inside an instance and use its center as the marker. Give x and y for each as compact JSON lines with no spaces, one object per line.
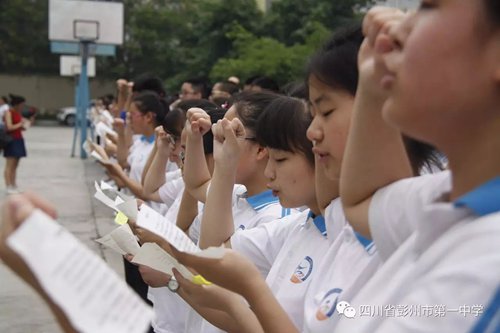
{"x":177,"y":39}
{"x":208,"y":41}
{"x":266,"y":56}
{"x":153,"y":31}
{"x":24,"y":45}
{"x":289,"y":21}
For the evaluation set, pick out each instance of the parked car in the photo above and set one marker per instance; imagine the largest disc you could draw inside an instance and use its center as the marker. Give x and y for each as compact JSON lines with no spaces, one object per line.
{"x":67,"y":115}
{"x":29,"y":112}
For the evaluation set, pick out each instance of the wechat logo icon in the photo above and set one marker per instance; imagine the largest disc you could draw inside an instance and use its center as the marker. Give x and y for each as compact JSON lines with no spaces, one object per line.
{"x":346,"y":309}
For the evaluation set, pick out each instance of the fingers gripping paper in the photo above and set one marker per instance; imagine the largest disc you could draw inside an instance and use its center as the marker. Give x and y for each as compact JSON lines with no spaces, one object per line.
{"x":92,"y":296}
{"x":151,"y":220}
{"x":150,"y":254}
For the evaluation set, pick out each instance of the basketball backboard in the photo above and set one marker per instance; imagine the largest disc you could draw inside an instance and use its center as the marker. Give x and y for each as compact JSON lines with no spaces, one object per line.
{"x":77,"y":20}
{"x":72,"y":65}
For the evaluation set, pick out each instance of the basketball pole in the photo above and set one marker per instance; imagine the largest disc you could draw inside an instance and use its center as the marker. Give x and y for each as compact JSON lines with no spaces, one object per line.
{"x":83,"y":96}
{"x":75,"y":129}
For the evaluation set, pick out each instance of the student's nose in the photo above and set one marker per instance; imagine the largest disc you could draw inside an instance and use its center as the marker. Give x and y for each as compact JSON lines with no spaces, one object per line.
{"x":314,"y":132}
{"x":269,"y":170}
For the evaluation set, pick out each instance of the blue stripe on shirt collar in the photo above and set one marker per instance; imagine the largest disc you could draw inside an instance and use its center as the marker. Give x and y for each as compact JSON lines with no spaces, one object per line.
{"x":319,"y":222}
{"x":490,"y":320}
{"x":367,"y":243}
{"x":262,"y":200}
{"x":149,"y":139}
{"x":483,"y":200}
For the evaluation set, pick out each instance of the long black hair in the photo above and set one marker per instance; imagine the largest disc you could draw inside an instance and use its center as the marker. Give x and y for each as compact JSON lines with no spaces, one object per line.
{"x":249,"y":105}
{"x":149,"y":101}
{"x":336,"y":65}
{"x":283,"y":125}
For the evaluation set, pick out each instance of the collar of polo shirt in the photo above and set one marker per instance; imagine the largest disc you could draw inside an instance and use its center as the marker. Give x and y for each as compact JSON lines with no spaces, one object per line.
{"x":261,"y":200}
{"x":149,"y":139}
{"x":482,"y":200}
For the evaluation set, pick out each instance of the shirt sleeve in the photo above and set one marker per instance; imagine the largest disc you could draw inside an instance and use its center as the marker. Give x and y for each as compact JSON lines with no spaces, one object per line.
{"x":262,"y":244}
{"x":454,"y":291}
{"x":393,"y":209}
{"x":169,"y":191}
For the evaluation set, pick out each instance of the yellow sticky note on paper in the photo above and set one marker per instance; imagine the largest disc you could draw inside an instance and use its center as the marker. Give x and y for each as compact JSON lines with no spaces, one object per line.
{"x":200,"y":280}
{"x":121,"y":218}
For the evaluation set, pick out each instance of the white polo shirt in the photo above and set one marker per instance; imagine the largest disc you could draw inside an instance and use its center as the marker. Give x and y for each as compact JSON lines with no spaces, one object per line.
{"x":290,"y":251}
{"x":248,"y":213}
{"x":441,"y":276}
{"x":3,"y":109}
{"x":173,"y":185}
{"x":195,"y":228}
{"x":138,"y":156}
{"x":171,"y":311}
{"x":344,"y":268}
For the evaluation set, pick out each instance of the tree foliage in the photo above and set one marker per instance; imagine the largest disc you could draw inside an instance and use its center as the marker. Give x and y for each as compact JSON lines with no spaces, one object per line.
{"x":267,"y":56}
{"x":24,"y":46}
{"x":177,"y":39}
{"x":291,"y":21}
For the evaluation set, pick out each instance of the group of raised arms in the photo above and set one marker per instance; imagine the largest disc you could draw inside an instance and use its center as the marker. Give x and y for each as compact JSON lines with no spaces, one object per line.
{"x":365,"y":199}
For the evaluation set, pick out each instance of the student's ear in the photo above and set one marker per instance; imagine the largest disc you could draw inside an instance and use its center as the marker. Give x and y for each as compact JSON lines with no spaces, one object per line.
{"x":262,"y":153}
{"x":150,"y":117}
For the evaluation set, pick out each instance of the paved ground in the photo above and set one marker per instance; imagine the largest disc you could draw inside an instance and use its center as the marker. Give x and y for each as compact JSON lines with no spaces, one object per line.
{"x":68,"y":183}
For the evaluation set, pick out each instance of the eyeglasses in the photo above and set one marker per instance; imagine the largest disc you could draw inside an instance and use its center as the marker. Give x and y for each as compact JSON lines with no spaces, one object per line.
{"x":186,"y":93}
{"x":172,"y":137}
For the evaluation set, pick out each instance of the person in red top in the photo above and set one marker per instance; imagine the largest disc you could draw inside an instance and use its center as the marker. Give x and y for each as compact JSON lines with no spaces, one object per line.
{"x":15,"y":149}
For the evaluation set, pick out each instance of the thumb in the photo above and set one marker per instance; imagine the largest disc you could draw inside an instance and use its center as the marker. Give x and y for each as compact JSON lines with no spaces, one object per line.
{"x":238,"y":128}
{"x":229,"y":133}
{"x":16,"y":209}
{"x":383,"y":44}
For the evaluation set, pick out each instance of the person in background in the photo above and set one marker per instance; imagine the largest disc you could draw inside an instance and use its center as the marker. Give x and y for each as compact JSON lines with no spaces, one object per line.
{"x":265,"y":83}
{"x":234,"y":79}
{"x":222,"y":92}
{"x":193,"y":89}
{"x":15,"y":149}
{"x":4,"y":107}
{"x":249,"y":81}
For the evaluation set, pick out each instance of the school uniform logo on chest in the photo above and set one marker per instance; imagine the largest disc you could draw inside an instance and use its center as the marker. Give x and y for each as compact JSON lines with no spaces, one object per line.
{"x":303,"y":270}
{"x":328,"y":304}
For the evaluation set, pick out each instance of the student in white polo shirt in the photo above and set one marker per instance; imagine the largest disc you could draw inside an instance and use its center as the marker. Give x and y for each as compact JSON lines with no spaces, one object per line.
{"x":170,"y":310}
{"x":156,"y":177}
{"x":439,"y":235}
{"x":350,"y":259}
{"x":288,"y":250}
{"x":147,"y":111}
{"x":249,"y":205}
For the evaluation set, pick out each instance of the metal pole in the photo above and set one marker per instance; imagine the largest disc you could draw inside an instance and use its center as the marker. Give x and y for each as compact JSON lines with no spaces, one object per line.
{"x":83,"y":87}
{"x":75,"y":130}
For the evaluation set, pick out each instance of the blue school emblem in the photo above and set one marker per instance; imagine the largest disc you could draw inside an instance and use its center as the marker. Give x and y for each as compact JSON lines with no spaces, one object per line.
{"x":303,"y":270}
{"x":328,"y":304}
